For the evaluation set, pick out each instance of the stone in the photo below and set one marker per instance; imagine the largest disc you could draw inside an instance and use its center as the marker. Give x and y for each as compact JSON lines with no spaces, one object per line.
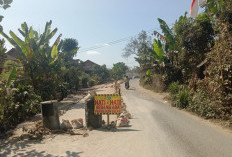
{"x":77,"y":123}
{"x":65,"y":125}
{"x":122,"y":122}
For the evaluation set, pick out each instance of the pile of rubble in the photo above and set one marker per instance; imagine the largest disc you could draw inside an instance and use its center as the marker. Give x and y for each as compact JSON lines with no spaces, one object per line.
{"x":38,"y":131}
{"x":76,"y":127}
{"x":123,"y":119}
{"x":76,"y":124}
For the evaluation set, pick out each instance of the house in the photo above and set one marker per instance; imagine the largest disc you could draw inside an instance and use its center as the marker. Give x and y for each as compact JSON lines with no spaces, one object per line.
{"x":12,"y":55}
{"x":12,"y":52}
{"x":89,"y":66}
{"x":8,"y":57}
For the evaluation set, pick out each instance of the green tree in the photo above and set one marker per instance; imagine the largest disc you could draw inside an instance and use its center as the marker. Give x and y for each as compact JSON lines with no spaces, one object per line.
{"x":217,"y":6}
{"x":101,"y":73}
{"x":69,"y":44}
{"x":119,"y":70}
{"x":70,"y":72}
{"x":194,"y":37}
{"x":68,"y":48}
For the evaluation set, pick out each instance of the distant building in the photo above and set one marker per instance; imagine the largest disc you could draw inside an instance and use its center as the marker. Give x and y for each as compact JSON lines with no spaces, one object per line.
{"x":8,"y":57}
{"x":14,"y":53}
{"x":89,"y":66}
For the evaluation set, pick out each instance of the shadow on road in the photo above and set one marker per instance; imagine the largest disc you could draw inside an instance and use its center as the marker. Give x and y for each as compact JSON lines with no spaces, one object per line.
{"x":16,"y":149}
{"x":133,"y":88}
{"x":117,"y":129}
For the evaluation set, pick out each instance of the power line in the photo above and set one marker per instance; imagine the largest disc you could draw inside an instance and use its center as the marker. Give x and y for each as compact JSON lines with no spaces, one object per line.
{"x":113,"y":42}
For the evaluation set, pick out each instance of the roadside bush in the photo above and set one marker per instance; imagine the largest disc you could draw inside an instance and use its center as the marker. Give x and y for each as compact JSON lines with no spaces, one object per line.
{"x":183,"y":97}
{"x":230,"y":122}
{"x":62,"y":90}
{"x":84,"y":82}
{"x":204,"y":103}
{"x":142,"y":81}
{"x":148,"y":78}
{"x":46,"y":89}
{"x":27,"y":100}
{"x":71,"y":77}
{"x":219,"y":72}
{"x":19,"y":104}
{"x":91,"y":83}
{"x":201,"y":105}
{"x":174,"y":89}
{"x":155,"y":82}
{"x":173,"y":74}
{"x":159,"y":83}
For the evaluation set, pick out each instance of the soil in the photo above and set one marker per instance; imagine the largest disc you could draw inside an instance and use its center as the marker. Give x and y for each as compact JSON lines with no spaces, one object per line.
{"x":72,"y":107}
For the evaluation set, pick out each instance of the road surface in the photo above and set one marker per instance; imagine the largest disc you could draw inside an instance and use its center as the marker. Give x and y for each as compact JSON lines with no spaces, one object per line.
{"x":157,"y":130}
{"x":168,"y":132}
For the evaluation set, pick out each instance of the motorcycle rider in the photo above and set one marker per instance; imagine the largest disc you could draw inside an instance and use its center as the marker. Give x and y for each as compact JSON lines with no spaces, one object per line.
{"x":126,"y":80}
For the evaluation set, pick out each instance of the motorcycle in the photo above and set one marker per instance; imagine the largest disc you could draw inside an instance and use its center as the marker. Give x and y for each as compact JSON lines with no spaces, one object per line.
{"x":127,"y":85}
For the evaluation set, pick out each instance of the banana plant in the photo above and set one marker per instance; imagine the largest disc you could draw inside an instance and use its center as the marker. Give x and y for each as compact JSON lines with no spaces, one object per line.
{"x":168,"y":34}
{"x":12,"y":76}
{"x":34,"y":44}
{"x":168,"y":40}
{"x":159,"y":53}
{"x":2,"y":54}
{"x":148,"y":79}
{"x":36,"y":55}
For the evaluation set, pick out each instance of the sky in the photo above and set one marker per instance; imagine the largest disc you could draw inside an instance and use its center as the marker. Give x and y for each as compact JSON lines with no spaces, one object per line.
{"x":95,"y":23}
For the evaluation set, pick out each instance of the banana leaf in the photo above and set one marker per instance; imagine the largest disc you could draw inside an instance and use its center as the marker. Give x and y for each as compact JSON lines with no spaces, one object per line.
{"x":12,"y":76}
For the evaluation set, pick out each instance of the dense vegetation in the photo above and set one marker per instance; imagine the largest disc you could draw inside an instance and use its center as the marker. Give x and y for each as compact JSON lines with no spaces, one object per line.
{"x":192,"y":60}
{"x":42,"y":71}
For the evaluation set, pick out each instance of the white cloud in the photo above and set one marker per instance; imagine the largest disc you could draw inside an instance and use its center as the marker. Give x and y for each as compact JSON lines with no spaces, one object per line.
{"x":105,"y":44}
{"x":93,"y":53}
{"x":102,"y":45}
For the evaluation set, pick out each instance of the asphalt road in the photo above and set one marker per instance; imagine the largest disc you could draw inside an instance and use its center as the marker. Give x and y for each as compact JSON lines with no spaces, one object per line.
{"x":164,"y":131}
